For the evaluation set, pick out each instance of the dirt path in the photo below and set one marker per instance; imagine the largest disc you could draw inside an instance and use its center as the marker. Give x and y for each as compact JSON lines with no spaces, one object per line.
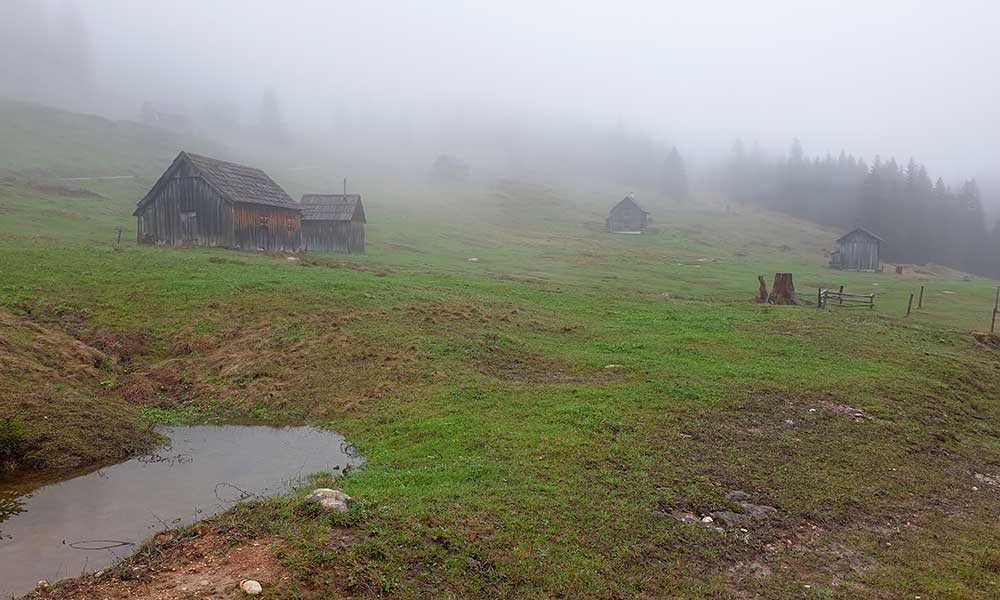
{"x":204,"y":566}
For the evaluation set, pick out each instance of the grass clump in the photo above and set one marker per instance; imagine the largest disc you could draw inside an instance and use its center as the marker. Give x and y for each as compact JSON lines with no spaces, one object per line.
{"x":14,"y":436}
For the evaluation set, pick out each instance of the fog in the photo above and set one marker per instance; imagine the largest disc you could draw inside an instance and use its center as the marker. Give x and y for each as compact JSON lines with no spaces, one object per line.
{"x":890,"y":77}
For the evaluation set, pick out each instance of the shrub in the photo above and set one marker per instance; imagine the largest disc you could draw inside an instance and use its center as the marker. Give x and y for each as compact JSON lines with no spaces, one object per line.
{"x":13,"y":439}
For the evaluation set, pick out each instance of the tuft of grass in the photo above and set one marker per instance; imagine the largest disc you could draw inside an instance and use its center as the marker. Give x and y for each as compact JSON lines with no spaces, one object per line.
{"x":14,"y":436}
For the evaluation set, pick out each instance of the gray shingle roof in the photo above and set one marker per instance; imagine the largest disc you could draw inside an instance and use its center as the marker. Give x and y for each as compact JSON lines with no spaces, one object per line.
{"x":628,"y":200}
{"x":331,"y":207}
{"x":239,"y":183}
{"x":856,"y":230}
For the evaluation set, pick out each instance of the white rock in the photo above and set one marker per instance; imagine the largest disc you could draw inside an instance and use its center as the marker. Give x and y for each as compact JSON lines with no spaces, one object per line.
{"x":251,"y":587}
{"x":613,"y":366}
{"x":332,"y":500}
{"x":41,"y":585}
{"x":292,"y":258}
{"x":473,"y":259}
{"x":707,"y":519}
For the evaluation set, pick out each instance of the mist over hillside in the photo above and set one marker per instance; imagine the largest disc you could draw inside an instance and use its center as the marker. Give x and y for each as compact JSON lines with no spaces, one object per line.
{"x":588,"y":95}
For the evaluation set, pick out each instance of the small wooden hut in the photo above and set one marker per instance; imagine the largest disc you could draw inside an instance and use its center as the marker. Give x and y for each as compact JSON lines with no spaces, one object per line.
{"x":334,"y":222}
{"x":857,"y":251}
{"x":627,"y":217}
{"x":209,"y":202}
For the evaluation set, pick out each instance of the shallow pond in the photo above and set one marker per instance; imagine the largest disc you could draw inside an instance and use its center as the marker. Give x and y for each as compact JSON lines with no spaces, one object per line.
{"x":85,"y":523}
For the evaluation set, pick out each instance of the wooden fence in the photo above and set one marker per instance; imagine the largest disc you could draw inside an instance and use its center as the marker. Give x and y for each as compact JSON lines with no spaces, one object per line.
{"x":843,"y":299}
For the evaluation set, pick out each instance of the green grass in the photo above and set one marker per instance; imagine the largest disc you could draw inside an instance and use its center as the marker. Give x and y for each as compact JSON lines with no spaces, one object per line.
{"x":503,"y":458}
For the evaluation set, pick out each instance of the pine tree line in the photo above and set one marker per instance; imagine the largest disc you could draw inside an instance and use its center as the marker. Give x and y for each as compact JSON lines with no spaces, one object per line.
{"x":919,"y":220}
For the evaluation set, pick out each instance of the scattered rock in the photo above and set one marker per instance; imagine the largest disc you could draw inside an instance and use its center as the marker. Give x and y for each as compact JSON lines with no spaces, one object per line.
{"x":729,"y":518}
{"x":332,"y":500}
{"x":738,"y":496}
{"x":757,"y":511}
{"x":759,"y":569}
{"x":251,"y":587}
{"x":987,"y":479}
{"x":683,"y":517}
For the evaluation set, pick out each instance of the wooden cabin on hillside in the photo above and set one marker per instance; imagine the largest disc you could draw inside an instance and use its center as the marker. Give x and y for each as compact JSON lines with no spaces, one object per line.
{"x":333,"y":222}
{"x":857,"y":251}
{"x":627,"y":217}
{"x":208,"y":202}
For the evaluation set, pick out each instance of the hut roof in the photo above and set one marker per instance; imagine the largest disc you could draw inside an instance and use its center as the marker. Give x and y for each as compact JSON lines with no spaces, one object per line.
{"x":239,"y":183}
{"x":235,"y":183}
{"x":860,"y":230}
{"x":628,"y":200}
{"x":331,"y":207}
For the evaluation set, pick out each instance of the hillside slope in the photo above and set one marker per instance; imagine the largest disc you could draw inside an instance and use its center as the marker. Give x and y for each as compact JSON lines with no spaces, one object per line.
{"x":555,"y":418}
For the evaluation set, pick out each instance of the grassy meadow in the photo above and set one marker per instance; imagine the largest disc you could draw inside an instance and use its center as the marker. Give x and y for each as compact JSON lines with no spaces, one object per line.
{"x":529,"y":418}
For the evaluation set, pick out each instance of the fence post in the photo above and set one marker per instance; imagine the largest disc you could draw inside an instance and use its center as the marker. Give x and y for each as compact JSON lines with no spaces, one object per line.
{"x":819,"y":297}
{"x":920,"y":301}
{"x":840,"y":299}
{"x":996,"y":304}
{"x":910,"y":305}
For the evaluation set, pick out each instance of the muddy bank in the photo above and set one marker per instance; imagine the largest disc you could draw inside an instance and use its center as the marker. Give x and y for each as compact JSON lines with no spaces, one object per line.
{"x":56,"y":409}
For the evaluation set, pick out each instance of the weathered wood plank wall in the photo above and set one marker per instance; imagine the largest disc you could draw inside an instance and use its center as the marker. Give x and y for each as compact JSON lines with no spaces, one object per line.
{"x":335,"y":236}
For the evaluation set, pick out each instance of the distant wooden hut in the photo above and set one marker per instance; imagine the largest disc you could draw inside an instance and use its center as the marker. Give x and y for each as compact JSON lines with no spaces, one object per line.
{"x":333,"y":222}
{"x":627,"y":216}
{"x":857,"y":251}
{"x":208,"y":202}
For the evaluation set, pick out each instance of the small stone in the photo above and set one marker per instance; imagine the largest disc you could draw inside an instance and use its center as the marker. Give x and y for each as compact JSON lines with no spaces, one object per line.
{"x":332,"y":500}
{"x":251,"y":587}
{"x":473,"y":259}
{"x":203,"y":582}
{"x":789,"y":422}
{"x":729,"y":518}
{"x":613,"y":366}
{"x":757,"y":511}
{"x":41,"y":585}
{"x":759,"y":569}
{"x":474,"y":563}
{"x":812,"y":410}
{"x":683,"y":517}
{"x":707,"y":519}
{"x":738,"y":496}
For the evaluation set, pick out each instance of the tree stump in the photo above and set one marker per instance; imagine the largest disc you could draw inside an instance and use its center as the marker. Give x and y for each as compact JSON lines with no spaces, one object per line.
{"x":761,"y":297}
{"x":783,"y":290}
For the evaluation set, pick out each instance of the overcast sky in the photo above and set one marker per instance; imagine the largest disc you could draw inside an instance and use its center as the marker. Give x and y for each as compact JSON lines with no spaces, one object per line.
{"x":876,"y":76}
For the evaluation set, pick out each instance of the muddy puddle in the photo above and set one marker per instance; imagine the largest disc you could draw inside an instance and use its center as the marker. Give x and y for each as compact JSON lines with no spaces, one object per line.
{"x":87,"y":522}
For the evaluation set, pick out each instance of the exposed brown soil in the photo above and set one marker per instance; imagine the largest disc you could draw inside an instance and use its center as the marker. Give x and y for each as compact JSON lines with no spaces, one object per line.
{"x":314,"y":362}
{"x":125,"y":345}
{"x":52,"y":383}
{"x":206,"y":564}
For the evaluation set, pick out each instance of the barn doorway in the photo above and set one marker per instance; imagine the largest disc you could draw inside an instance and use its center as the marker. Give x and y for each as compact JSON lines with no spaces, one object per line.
{"x":189,"y":228}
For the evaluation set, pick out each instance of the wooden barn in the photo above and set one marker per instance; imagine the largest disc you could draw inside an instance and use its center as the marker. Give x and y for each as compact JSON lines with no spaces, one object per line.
{"x":333,"y":222}
{"x":208,"y":202}
{"x":857,"y":251}
{"x":627,"y":216}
